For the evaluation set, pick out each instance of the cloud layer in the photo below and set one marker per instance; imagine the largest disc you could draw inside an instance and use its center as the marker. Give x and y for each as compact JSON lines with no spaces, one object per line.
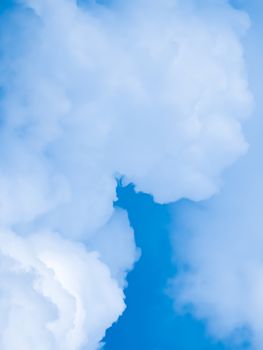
{"x":154,"y":92}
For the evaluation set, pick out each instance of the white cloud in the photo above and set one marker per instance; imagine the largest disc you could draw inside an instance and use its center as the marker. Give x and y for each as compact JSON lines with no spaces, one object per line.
{"x":220,"y":246}
{"x":152,"y":91}
{"x":54,"y":294}
{"x":115,"y":244}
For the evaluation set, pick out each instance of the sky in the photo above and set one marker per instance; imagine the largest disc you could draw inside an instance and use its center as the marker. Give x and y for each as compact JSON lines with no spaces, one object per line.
{"x":130,"y":175}
{"x":150,"y":321}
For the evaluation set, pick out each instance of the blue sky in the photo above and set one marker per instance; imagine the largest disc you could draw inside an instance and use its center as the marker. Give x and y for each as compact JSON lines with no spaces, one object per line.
{"x":167,"y":97}
{"x":150,"y":321}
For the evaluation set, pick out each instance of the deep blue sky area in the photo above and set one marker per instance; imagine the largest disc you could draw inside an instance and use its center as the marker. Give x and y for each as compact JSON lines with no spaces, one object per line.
{"x":149,"y":322}
{"x":6,"y":4}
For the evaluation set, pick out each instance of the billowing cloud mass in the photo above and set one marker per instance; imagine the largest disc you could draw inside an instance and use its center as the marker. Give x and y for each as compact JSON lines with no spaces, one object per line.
{"x":54,"y":294}
{"x":220,"y":244}
{"x":151,"y":91}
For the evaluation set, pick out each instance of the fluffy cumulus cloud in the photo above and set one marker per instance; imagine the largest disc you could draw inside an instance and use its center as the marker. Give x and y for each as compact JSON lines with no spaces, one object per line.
{"x":151,"y":91}
{"x":54,"y":294}
{"x":220,"y":245}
